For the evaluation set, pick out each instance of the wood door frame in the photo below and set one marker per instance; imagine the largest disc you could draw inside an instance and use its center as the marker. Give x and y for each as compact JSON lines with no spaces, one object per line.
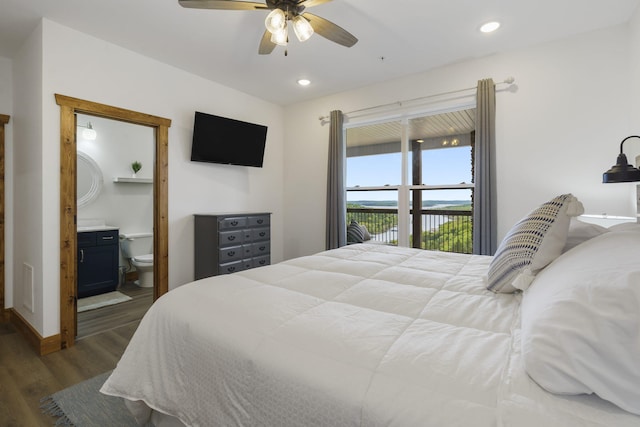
{"x":4,"y":119}
{"x":69,"y":107}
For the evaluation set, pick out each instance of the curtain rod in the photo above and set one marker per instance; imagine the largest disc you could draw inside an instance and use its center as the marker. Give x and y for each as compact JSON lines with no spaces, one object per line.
{"x":508,"y":81}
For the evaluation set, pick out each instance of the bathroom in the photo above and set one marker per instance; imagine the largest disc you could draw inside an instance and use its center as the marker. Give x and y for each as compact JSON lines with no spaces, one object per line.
{"x":116,"y":203}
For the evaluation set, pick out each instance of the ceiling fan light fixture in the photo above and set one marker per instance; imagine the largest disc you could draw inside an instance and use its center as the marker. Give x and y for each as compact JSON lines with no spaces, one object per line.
{"x":302,"y":28}
{"x":280,"y":37}
{"x":275,"y":21}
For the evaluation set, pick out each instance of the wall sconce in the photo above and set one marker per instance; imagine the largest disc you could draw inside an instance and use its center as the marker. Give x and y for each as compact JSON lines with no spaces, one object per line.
{"x":88,"y":132}
{"x":622,"y":171}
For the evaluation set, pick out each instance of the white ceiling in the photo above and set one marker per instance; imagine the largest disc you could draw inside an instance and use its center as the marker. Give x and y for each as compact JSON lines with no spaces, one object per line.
{"x":396,"y":38}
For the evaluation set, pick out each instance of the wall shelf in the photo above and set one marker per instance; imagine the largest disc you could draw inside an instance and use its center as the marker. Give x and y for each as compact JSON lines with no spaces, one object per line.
{"x":122,"y":179}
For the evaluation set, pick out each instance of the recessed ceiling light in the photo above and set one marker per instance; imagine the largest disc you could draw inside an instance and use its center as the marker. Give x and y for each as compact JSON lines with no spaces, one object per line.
{"x":304,"y":82}
{"x":490,"y":27}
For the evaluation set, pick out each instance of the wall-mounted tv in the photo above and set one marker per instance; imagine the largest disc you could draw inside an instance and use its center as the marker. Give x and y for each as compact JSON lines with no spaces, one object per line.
{"x":228,"y":141}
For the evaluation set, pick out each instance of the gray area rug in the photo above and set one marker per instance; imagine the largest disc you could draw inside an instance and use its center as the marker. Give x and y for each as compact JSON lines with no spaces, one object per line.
{"x":82,"y":405}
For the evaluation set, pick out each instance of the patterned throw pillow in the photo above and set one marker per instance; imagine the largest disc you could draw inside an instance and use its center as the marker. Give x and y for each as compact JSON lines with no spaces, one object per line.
{"x":354,"y":233}
{"x":365,"y":232}
{"x":531,"y":244}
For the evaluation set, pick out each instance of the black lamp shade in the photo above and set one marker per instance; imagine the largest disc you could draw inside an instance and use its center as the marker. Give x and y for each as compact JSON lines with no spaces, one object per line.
{"x":622,"y":171}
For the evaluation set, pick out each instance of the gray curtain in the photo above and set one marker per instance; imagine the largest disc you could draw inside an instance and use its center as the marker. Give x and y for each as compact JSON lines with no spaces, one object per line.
{"x":484,"y":194}
{"x":336,"y":205}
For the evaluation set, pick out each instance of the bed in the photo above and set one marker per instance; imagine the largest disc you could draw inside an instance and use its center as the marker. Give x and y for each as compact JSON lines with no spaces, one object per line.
{"x":372,"y":335}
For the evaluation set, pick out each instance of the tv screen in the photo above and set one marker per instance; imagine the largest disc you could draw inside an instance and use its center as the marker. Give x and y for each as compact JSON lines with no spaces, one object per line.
{"x":222,"y":140}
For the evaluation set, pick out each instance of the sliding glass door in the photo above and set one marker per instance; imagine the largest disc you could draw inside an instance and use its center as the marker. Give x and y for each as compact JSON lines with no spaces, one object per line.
{"x":409,"y":181}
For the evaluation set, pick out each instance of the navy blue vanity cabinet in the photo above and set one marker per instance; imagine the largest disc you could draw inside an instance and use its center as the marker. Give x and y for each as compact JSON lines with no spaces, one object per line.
{"x":98,"y":257}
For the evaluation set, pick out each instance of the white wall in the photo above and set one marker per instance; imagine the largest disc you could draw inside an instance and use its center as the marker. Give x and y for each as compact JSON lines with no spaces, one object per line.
{"x":29,"y":163}
{"x":75,"y":64}
{"x":6,"y":107}
{"x":634,"y":71}
{"x":557,"y":133}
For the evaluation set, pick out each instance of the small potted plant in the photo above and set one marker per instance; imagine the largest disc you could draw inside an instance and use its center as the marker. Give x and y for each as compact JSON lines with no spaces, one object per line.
{"x":136,"y":166}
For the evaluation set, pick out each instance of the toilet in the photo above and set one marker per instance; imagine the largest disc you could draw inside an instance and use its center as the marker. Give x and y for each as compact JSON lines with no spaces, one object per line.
{"x":137,"y":248}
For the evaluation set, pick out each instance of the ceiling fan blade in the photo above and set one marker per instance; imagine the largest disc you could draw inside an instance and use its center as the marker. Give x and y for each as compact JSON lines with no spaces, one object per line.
{"x":331,"y":31}
{"x":222,"y":4}
{"x":266,"y":45}
{"x":311,"y":3}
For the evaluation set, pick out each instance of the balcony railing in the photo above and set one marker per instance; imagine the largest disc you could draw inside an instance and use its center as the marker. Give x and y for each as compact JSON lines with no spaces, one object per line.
{"x":447,"y":230}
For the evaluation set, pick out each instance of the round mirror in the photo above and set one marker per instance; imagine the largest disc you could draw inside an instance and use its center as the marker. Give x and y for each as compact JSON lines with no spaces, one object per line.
{"x":89,"y":180}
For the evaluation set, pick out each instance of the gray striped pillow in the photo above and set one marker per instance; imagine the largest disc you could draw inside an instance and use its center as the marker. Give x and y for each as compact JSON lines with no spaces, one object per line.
{"x":355,"y":233}
{"x":531,"y":244}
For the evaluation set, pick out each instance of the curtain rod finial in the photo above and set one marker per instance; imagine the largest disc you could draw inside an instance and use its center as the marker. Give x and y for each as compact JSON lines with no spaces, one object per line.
{"x":509,"y":80}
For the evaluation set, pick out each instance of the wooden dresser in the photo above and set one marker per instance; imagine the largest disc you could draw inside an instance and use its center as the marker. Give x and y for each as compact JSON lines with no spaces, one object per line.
{"x":229,"y":242}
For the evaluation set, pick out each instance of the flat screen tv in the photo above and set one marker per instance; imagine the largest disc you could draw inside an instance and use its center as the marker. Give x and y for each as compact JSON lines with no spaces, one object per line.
{"x":228,"y":141}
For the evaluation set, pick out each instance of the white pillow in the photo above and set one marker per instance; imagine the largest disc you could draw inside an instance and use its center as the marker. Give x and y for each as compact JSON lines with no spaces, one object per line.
{"x":581,"y":321}
{"x":580,"y":232}
{"x":531,"y":244}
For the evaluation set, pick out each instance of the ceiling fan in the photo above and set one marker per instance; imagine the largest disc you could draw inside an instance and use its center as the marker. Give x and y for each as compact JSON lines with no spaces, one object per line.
{"x":282,"y":12}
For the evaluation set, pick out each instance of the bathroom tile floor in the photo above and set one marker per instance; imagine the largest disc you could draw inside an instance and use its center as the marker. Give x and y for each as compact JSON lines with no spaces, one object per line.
{"x":103,"y":319}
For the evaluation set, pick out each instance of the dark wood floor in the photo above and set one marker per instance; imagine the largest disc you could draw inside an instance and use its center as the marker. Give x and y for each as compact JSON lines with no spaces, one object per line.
{"x":105,"y":318}
{"x":25,"y":377}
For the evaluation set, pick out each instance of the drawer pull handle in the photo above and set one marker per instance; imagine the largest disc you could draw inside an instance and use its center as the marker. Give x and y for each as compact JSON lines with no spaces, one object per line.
{"x":234,"y":223}
{"x":81,"y":255}
{"x":260,"y":221}
{"x":262,"y":262}
{"x":231,"y":238}
{"x":262,"y":248}
{"x":262,"y":234}
{"x":107,"y":237}
{"x":231,"y":269}
{"x":231,"y":253}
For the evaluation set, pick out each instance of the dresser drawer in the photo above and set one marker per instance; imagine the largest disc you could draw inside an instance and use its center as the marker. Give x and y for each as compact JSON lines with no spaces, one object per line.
{"x":247,"y":250}
{"x":259,"y":220}
{"x":261,"y":261}
{"x":230,"y":267}
{"x":231,"y":223}
{"x":230,"y":238}
{"x":230,"y":254}
{"x":260,"y":234}
{"x":260,"y":248}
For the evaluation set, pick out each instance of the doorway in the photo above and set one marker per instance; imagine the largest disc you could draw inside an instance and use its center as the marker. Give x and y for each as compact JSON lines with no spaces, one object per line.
{"x":69,"y":107}
{"x":115,"y":209}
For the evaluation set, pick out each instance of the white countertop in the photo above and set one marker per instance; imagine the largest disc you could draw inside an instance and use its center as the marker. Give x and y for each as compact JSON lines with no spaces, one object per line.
{"x":81,"y":229}
{"x":93,"y":224}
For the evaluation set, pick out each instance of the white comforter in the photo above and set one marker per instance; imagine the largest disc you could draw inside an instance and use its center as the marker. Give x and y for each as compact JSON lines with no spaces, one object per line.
{"x":365,"y":335}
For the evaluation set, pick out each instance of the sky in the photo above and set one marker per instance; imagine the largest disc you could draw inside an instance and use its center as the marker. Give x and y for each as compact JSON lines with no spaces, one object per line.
{"x":441,"y":166}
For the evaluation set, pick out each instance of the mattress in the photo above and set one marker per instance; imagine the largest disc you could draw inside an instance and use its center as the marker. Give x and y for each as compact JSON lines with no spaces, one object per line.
{"x":364,"y":335}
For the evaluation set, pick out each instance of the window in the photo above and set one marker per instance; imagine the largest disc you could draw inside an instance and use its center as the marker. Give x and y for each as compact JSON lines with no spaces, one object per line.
{"x":423,"y":162}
